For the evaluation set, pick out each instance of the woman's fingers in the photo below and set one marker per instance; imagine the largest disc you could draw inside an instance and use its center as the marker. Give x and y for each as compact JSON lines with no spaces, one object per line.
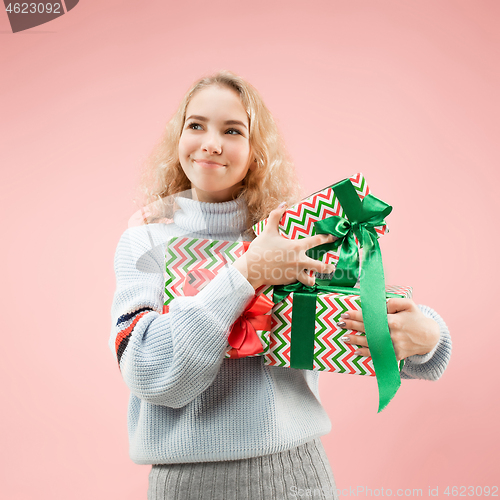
{"x":313,"y":264}
{"x":306,"y":279}
{"x":358,"y":341}
{"x":289,"y":256}
{"x":353,"y":320}
{"x":353,"y":315}
{"x":363,"y":351}
{"x":316,"y":265}
{"x":397,"y":304}
{"x":274,"y":218}
{"x":357,"y":326}
{"x":316,"y":240}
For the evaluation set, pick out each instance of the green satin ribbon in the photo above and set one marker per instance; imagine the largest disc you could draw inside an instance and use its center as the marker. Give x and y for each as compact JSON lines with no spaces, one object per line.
{"x":362,"y":218}
{"x":304,"y":307}
{"x":281,"y":292}
{"x":303,"y":319}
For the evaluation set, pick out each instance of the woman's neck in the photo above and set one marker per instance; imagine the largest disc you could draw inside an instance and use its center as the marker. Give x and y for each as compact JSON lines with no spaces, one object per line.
{"x":225,"y":220}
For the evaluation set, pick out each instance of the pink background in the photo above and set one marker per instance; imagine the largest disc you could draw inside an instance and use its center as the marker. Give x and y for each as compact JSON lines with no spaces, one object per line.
{"x":404,"y":91}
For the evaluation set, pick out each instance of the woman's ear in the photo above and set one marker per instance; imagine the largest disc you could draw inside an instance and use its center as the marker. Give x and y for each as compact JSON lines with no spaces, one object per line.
{"x":252,"y":157}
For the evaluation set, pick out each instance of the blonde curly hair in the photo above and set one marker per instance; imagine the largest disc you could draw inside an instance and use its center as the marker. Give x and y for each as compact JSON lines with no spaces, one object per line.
{"x":264,"y":188}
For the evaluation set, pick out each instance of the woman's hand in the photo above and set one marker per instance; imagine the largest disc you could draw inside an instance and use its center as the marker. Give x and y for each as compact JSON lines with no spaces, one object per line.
{"x":272,"y":259}
{"x":411,"y":331}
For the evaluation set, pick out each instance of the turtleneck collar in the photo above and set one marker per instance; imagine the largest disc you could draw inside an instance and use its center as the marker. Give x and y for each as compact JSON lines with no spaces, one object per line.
{"x":226,"y":220}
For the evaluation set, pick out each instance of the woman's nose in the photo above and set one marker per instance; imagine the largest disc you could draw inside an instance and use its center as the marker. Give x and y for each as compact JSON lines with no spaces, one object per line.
{"x":212,"y":145}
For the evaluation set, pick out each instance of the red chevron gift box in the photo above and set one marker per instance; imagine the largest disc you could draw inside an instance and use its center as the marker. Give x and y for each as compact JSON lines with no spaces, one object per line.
{"x":348,"y":211}
{"x":299,"y":220}
{"x":312,"y":339}
{"x":190,"y":265}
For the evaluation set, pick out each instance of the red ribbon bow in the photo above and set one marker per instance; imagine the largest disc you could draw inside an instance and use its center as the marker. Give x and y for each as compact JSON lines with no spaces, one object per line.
{"x":243,"y":336}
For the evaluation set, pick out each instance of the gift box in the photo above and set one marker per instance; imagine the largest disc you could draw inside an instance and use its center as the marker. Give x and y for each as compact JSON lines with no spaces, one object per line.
{"x":356,"y":218}
{"x":302,"y":331}
{"x":299,"y":220}
{"x":190,"y":265}
{"x":308,"y":337}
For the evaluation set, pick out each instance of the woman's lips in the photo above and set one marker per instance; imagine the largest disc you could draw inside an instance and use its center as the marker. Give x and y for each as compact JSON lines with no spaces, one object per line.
{"x":208,"y":164}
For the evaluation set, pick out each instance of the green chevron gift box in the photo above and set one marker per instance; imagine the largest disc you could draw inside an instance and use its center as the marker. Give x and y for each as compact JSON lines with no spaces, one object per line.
{"x":312,"y":340}
{"x":299,"y":220}
{"x":348,"y":211}
{"x":190,"y":265}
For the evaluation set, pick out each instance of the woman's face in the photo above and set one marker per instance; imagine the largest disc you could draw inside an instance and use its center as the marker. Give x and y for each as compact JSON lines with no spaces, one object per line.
{"x":214,"y":148}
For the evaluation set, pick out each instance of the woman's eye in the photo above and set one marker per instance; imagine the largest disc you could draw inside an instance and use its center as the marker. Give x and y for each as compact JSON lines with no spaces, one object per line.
{"x":193,"y":125}
{"x":231,"y":130}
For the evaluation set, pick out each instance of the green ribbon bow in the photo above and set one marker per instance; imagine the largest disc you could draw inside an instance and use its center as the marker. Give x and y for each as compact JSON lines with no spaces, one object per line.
{"x":362,"y":218}
{"x":303,"y":322}
{"x":302,"y":334}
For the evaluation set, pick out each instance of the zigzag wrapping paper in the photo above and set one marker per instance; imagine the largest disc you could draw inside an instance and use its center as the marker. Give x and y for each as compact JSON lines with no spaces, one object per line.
{"x":330,"y":352}
{"x":191,"y":256}
{"x":298,"y":221}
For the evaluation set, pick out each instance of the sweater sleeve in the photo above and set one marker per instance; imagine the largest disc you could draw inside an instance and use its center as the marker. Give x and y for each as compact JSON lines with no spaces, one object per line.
{"x":169,"y":359}
{"x":430,"y":366}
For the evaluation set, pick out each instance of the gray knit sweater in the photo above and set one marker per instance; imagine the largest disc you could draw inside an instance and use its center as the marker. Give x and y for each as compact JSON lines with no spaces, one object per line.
{"x":187,"y":402}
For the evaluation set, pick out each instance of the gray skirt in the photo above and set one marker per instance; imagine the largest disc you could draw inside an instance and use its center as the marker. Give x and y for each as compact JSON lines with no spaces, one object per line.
{"x":302,"y":472}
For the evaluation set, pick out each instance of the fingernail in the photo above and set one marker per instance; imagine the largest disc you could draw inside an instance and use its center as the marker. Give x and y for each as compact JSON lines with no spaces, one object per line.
{"x":345,"y":316}
{"x":357,"y":351}
{"x":282,"y":204}
{"x":345,"y":338}
{"x":341,"y":323}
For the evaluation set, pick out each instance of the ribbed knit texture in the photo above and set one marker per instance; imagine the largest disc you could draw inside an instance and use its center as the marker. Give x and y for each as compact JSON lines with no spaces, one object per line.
{"x":430,"y":366}
{"x":188,"y":403}
{"x":303,"y":471}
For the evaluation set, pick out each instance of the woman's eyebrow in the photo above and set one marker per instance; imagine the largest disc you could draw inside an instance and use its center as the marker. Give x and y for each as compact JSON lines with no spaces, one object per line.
{"x":227,"y":122}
